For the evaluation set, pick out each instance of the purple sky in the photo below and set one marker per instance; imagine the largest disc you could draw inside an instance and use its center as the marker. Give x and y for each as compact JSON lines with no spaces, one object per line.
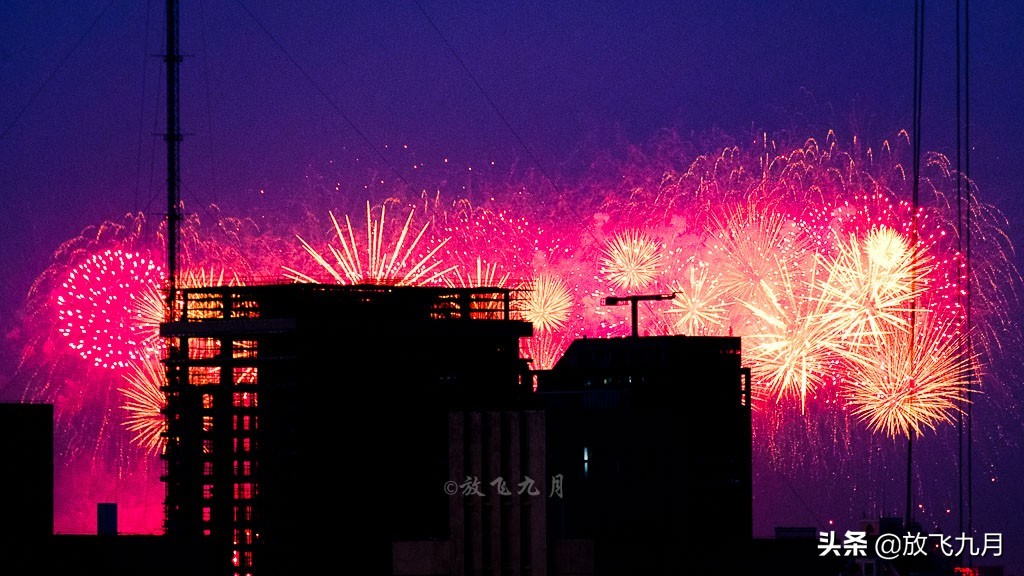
{"x":78,"y":121}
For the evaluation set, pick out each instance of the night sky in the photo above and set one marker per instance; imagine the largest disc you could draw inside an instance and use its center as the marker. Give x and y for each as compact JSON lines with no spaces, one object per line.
{"x":280,"y":99}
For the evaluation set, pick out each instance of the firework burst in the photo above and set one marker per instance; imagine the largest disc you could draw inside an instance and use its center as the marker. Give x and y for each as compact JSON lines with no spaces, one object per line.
{"x":376,"y":264}
{"x":544,"y":349}
{"x":547,"y":303}
{"x":97,"y":307}
{"x":486,"y":275}
{"x":144,"y":403}
{"x":915,"y":380}
{"x":872,"y":285}
{"x":795,"y":348}
{"x":754,"y":243}
{"x":699,"y":307}
{"x":630,"y":260}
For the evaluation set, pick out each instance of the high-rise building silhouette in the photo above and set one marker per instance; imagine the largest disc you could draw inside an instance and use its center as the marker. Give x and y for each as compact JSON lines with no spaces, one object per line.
{"x":26,"y":482}
{"x":289,"y":403}
{"x":652,"y":436}
{"x":396,"y":429}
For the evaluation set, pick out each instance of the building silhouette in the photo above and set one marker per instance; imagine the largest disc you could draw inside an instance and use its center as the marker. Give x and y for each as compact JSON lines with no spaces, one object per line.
{"x":293,"y":403}
{"x":28,"y":545}
{"x":396,"y":429}
{"x":653,"y":437}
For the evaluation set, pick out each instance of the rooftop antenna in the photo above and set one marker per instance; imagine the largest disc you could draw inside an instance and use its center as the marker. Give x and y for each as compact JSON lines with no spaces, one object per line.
{"x":633,"y":301}
{"x":173,"y":138}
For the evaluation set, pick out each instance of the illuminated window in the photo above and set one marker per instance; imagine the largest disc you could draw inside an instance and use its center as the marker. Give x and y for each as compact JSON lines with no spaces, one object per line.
{"x":244,"y":400}
{"x":243,"y":349}
{"x":244,"y":308}
{"x":206,"y":513}
{"x":244,"y":513}
{"x":203,"y":375}
{"x":207,"y":491}
{"x":207,"y":401}
{"x":245,"y":490}
{"x":244,"y":374}
{"x":207,"y":446}
{"x":243,"y":467}
{"x":203,"y":348}
{"x":586,"y":461}
{"x":204,"y":306}
{"x":247,"y":422}
{"x":207,"y":423}
{"x":207,"y":468}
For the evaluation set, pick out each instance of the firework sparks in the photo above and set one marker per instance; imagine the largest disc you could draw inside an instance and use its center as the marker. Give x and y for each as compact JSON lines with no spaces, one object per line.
{"x":375,"y":265}
{"x":144,"y":402}
{"x":915,"y":380}
{"x":794,"y":350}
{"x":547,"y":303}
{"x":486,"y":276}
{"x":544,"y":349}
{"x":630,"y":260}
{"x":699,"y":305}
{"x":872,"y":286}
{"x":753,"y":245}
{"x":97,"y":307}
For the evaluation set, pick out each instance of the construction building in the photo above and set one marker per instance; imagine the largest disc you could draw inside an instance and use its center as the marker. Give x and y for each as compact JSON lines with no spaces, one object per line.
{"x":292,"y":402}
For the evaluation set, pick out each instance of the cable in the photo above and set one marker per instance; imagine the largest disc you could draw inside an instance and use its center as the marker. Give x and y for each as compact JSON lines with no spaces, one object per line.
{"x":209,"y":107}
{"x":487,"y":97}
{"x":918,"y":90}
{"x":60,"y":65}
{"x":325,"y":96}
{"x":142,"y":111}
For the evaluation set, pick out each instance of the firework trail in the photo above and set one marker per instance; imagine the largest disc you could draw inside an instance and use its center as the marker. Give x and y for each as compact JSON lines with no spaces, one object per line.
{"x":143,"y":402}
{"x":376,"y":264}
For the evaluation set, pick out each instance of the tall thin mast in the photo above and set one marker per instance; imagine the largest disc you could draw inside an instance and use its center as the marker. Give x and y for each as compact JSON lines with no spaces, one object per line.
{"x":173,"y":139}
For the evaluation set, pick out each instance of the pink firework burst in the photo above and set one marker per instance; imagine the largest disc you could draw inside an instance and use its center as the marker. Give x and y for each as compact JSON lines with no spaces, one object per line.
{"x":98,"y":307}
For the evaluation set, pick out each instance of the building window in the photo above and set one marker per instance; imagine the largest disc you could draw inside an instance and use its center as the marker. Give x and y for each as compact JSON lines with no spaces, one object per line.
{"x":207,"y":401}
{"x":244,"y":400}
{"x":244,"y":308}
{"x":245,"y":490}
{"x":207,"y":468}
{"x":244,"y":374}
{"x":243,"y":467}
{"x":207,"y":423}
{"x":203,"y":375}
{"x":203,"y":348}
{"x":206,"y":513}
{"x":586,"y":461}
{"x":207,"y":491}
{"x":244,"y":349}
{"x":247,"y":422}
